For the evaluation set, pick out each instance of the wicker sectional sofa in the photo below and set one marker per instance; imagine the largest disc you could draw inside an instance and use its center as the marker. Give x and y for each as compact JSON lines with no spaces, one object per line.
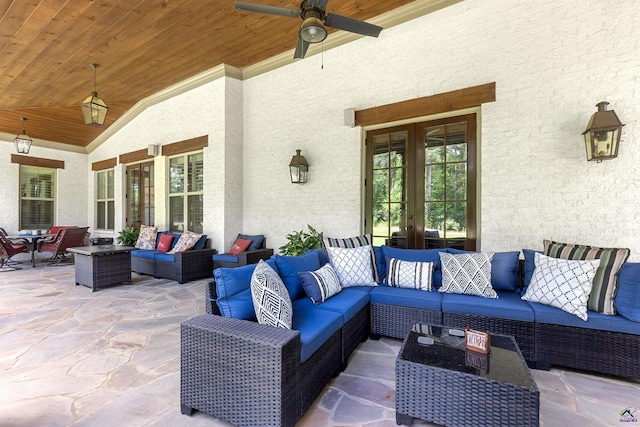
{"x":250,"y":374}
{"x":182,"y":267}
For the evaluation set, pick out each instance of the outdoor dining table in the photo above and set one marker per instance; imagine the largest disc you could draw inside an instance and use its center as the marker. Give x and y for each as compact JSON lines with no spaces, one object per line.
{"x":33,"y":242}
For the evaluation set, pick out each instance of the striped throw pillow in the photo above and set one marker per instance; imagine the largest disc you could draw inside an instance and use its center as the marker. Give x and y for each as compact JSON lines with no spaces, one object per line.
{"x":605,"y":282}
{"x":410,"y":274}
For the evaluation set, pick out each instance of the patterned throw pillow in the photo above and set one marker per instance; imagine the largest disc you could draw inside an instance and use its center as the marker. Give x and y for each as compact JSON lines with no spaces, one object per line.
{"x":320,"y":285}
{"x":468,"y":274}
{"x":605,"y":283}
{"x":270,"y":297}
{"x":147,"y":237}
{"x":355,"y":242}
{"x":186,"y":241}
{"x":353,"y":265}
{"x":562,"y":283}
{"x":410,"y":274}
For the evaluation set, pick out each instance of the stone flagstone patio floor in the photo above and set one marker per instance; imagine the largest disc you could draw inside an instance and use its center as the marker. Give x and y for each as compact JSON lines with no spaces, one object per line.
{"x":70,"y":357}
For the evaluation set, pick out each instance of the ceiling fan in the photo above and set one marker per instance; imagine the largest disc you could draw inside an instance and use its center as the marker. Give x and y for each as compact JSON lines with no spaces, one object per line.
{"x":314,"y":18}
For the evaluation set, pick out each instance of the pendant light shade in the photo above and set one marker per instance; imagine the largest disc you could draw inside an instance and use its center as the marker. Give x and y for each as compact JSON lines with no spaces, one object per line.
{"x":94,"y":109}
{"x":23,"y":141}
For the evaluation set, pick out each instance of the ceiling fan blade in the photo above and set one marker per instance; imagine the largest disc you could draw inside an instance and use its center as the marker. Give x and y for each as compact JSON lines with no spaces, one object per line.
{"x":301,"y":48}
{"x":263,"y":8}
{"x":352,"y":25}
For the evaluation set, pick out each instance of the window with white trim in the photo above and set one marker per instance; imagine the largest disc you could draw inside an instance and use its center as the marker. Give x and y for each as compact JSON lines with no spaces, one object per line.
{"x":186,"y":174}
{"x":37,"y":197}
{"x":105,"y":201}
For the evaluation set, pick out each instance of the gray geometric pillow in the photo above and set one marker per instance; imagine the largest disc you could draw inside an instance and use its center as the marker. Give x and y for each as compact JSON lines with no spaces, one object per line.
{"x":410,"y":274}
{"x":468,"y":274}
{"x":271,"y":300}
{"x":561,"y":283}
{"x":352,"y":265}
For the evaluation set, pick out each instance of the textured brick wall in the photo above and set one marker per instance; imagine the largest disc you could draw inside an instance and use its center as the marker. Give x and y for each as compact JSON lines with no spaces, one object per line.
{"x":551,"y":61}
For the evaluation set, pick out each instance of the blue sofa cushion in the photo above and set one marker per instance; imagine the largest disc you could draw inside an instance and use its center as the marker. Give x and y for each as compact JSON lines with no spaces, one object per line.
{"x":233,"y":290}
{"x":316,"y":326}
{"x":161,"y":256}
{"x":508,"y":305}
{"x":144,"y":253}
{"x":225,"y":257}
{"x":504,"y":269}
{"x":348,"y":303}
{"x":415,"y":298}
{"x":200,"y":244}
{"x":529,"y":266}
{"x":290,"y":266}
{"x":322,"y":255}
{"x":547,"y":314}
{"x":239,"y":306}
{"x":628,"y":296}
{"x":424,"y":255}
{"x":256,"y":240}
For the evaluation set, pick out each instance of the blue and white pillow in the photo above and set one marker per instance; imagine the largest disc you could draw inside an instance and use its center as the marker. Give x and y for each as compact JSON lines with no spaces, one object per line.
{"x":468,"y":273}
{"x":271,"y":300}
{"x":354,"y":242}
{"x":561,"y":283}
{"x":410,"y":274}
{"x":353,"y":265}
{"x":320,"y":285}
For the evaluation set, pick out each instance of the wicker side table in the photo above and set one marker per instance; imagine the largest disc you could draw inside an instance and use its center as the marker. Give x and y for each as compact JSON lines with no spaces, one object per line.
{"x":102,"y":265}
{"x":445,"y":384}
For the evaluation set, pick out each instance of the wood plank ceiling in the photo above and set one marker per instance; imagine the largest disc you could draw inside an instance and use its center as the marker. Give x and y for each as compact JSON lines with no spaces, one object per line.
{"x":142,"y":46}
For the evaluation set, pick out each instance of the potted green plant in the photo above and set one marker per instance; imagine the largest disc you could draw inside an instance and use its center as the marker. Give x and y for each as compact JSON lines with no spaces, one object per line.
{"x":301,"y":241}
{"x":128,"y":236}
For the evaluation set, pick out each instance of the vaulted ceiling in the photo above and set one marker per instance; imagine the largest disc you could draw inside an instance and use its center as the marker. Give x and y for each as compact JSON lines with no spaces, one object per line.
{"x":142,"y":47}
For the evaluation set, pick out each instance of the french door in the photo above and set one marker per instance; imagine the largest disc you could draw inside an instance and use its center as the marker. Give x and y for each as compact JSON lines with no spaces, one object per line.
{"x":140,"y":194}
{"x":421,"y":184}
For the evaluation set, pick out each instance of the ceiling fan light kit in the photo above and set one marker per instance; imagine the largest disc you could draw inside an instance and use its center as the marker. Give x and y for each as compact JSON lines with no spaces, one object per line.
{"x":314,"y":20}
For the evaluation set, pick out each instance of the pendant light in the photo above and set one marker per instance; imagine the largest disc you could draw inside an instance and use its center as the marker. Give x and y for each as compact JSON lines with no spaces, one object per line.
{"x":23,"y":142}
{"x":94,"y":109}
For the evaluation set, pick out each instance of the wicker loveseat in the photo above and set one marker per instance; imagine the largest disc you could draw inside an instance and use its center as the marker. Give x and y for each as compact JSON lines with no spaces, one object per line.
{"x":182,"y":267}
{"x":252,"y":374}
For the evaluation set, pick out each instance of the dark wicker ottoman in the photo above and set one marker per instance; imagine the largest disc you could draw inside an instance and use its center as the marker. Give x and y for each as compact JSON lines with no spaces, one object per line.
{"x":102,"y":265}
{"x":445,"y":384}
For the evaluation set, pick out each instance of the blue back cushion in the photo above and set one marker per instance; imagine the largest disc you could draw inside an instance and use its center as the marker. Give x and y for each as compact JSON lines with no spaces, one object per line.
{"x":421,"y":255}
{"x":256,"y":241}
{"x":200,"y":244}
{"x":233,"y":289}
{"x":504,"y":269}
{"x":529,"y":266}
{"x":628,"y":294}
{"x":290,"y":266}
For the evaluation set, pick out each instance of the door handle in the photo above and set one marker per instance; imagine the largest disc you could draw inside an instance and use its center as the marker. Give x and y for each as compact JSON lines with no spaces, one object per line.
{"x":409,"y":227}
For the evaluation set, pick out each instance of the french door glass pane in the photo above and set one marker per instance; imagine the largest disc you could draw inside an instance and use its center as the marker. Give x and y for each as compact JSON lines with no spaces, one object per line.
{"x":381,"y":185}
{"x":397,"y":185}
{"x":456,"y":181}
{"x":176,"y":213}
{"x":456,"y":142}
{"x":456,"y":220}
{"x":434,"y":145}
{"x":434,"y":182}
{"x":434,"y":216}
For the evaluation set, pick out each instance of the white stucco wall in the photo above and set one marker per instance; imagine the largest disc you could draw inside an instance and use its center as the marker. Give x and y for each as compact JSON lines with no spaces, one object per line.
{"x":551,"y":61}
{"x":71,"y":187}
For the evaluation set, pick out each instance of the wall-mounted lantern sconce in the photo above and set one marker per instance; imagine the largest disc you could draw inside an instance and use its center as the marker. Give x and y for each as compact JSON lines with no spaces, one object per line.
{"x":602,"y":136}
{"x":23,"y":142}
{"x":298,"y":169}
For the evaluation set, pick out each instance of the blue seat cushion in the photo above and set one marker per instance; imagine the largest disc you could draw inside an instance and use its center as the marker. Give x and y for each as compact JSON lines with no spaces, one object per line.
{"x":233,"y":290}
{"x":225,"y":258}
{"x":316,"y":326}
{"x":256,"y":240}
{"x":628,"y":296}
{"x":144,"y":253}
{"x":547,"y":314}
{"x":348,"y":303}
{"x":290,"y":266}
{"x":162,"y":256}
{"x":421,"y":255}
{"x":504,"y":269}
{"x":508,"y":305}
{"x":407,"y":297}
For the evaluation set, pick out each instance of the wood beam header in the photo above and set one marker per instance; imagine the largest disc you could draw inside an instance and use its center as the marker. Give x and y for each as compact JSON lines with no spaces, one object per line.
{"x":37,"y":162}
{"x":104,"y":164}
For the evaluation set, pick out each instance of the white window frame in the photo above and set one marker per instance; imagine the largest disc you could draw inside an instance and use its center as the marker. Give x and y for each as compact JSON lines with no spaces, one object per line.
{"x":105,"y":197}
{"x":184,"y":192}
{"x":25,"y":189}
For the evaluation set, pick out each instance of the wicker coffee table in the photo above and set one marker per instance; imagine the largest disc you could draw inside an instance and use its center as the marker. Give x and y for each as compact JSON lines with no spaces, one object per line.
{"x":445,"y":384}
{"x":102,"y":265}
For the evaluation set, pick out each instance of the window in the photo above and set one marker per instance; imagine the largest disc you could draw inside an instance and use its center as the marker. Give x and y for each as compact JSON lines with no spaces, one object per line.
{"x":185,"y":193}
{"x":105,"y":204}
{"x":37,"y":197}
